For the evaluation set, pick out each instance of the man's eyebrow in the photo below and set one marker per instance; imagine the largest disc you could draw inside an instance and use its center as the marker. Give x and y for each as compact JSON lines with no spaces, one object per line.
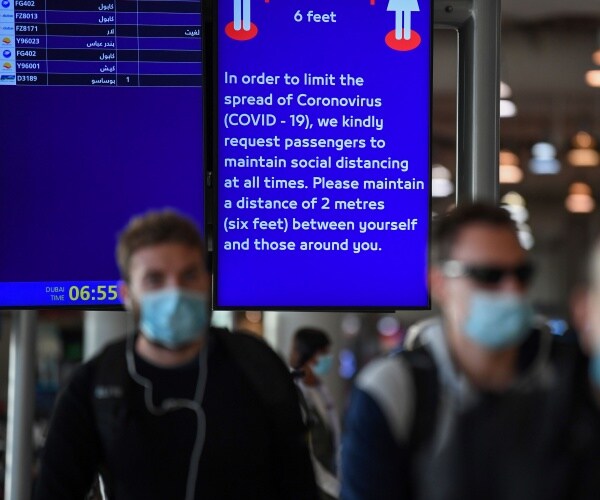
{"x":153,"y":273}
{"x":192,"y":268}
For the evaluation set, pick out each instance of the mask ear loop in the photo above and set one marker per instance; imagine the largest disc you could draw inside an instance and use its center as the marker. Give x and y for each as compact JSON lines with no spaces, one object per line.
{"x":201,"y":420}
{"x":177,"y":404}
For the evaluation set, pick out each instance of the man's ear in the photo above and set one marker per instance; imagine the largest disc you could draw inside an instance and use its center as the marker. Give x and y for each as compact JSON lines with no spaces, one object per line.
{"x":125,"y":294}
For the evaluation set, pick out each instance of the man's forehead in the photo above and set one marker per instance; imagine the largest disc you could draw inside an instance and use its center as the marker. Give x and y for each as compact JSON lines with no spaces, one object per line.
{"x":166,"y":256}
{"x":487,"y":243}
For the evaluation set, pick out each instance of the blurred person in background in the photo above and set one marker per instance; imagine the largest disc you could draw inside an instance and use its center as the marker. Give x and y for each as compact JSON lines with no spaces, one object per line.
{"x":311,"y":359}
{"x":578,"y":315}
{"x":483,"y":403}
{"x":178,"y":410}
{"x":585,"y":311}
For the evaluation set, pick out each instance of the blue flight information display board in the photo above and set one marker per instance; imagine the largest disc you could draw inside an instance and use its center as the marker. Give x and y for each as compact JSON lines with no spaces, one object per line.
{"x":113,"y":42}
{"x":100,"y":120}
{"x":323,"y":154}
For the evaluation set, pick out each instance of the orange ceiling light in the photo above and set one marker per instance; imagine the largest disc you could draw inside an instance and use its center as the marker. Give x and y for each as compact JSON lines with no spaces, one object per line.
{"x":583,"y":153}
{"x":579,"y":199}
{"x":510,"y":172}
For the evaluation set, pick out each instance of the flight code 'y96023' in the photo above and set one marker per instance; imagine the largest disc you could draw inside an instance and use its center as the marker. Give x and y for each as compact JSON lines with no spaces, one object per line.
{"x":28,"y":41}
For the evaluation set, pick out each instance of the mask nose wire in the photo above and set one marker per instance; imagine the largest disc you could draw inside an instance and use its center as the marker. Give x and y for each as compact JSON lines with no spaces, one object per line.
{"x":177,"y":404}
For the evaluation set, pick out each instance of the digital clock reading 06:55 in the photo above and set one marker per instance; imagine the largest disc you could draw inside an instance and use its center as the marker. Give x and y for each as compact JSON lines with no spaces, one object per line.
{"x":92,"y":294}
{"x":101,"y":293}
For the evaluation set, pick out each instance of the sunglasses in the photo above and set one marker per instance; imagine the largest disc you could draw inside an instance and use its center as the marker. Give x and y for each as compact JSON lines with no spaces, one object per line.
{"x":488,"y":275}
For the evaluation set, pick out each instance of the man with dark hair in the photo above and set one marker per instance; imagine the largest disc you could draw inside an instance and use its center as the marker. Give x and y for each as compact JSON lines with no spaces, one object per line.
{"x":178,"y":410}
{"x":311,"y":359}
{"x":484,"y":402}
{"x":309,"y":344}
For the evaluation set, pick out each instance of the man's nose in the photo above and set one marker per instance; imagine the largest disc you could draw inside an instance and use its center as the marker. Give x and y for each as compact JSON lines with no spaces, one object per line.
{"x":173,"y":282}
{"x":510,"y":283}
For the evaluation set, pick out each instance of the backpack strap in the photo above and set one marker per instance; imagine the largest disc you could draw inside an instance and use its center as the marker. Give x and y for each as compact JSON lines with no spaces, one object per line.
{"x":427,"y":387}
{"x":111,"y":387}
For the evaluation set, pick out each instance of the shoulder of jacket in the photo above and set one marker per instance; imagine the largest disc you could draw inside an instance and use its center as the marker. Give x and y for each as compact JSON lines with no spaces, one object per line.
{"x":417,"y":334}
{"x":115,"y":348}
{"x":389,"y":382}
{"x":108,"y":371}
{"x":257,"y":360}
{"x":246,"y":343}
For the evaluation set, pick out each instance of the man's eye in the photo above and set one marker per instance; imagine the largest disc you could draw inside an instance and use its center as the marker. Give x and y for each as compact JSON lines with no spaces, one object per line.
{"x":154,"y":280}
{"x":191,"y":276}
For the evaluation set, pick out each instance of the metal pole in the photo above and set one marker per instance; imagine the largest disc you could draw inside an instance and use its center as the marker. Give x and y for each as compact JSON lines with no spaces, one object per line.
{"x":21,"y":398}
{"x":478,"y":127}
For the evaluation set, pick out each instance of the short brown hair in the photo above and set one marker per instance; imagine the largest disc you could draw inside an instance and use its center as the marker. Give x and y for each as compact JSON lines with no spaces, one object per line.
{"x":153,"y":228}
{"x":448,"y":227}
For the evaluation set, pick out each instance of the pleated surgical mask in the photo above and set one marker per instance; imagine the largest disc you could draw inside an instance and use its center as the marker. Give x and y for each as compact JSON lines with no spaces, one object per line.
{"x":174,"y":317}
{"x":498,"y":320}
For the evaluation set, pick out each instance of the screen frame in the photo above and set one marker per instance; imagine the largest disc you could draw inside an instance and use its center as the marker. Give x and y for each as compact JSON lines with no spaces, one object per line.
{"x":118,"y":304}
{"x":211,"y":128}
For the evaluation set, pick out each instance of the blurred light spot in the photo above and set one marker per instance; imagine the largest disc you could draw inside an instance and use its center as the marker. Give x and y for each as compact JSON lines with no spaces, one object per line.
{"x":583,"y":157}
{"x":580,"y":203}
{"x":518,"y":213}
{"x":510,"y":172}
{"x":441,"y":181}
{"x":526,"y":239}
{"x":544,"y":167}
{"x":505,"y":90}
{"x":513,"y":198}
{"x":508,"y":109}
{"x":583,"y":153}
{"x":592,"y":78}
{"x":583,"y":139}
{"x":580,"y":198}
{"x":514,"y":204}
{"x":347,"y":367}
{"x":543,"y":150}
{"x":351,"y":324}
{"x":543,"y":160}
{"x":388,"y":326}
{"x":557,"y":326}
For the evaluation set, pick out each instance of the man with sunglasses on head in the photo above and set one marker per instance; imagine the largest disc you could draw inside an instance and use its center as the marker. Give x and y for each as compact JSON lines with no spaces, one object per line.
{"x":483,"y":403}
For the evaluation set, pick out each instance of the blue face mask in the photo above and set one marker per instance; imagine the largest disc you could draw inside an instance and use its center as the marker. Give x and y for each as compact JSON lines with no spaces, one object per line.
{"x":173,"y":317}
{"x":323,"y":366}
{"x":498,"y":320}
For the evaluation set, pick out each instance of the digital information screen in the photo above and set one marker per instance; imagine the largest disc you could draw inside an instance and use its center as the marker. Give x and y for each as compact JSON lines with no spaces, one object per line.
{"x":323,"y":154}
{"x":100,"y":120}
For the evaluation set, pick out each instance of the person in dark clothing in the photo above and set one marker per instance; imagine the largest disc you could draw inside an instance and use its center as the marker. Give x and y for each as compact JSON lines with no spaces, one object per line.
{"x":178,"y":410}
{"x":585,"y":313}
{"x":483,"y":402}
{"x":311,"y":359}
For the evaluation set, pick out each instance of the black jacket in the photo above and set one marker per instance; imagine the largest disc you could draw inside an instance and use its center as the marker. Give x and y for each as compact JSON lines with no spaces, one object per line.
{"x":255,"y":446}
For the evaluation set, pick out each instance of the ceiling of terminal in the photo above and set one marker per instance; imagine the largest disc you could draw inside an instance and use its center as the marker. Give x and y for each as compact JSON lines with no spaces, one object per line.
{"x":547,"y":48}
